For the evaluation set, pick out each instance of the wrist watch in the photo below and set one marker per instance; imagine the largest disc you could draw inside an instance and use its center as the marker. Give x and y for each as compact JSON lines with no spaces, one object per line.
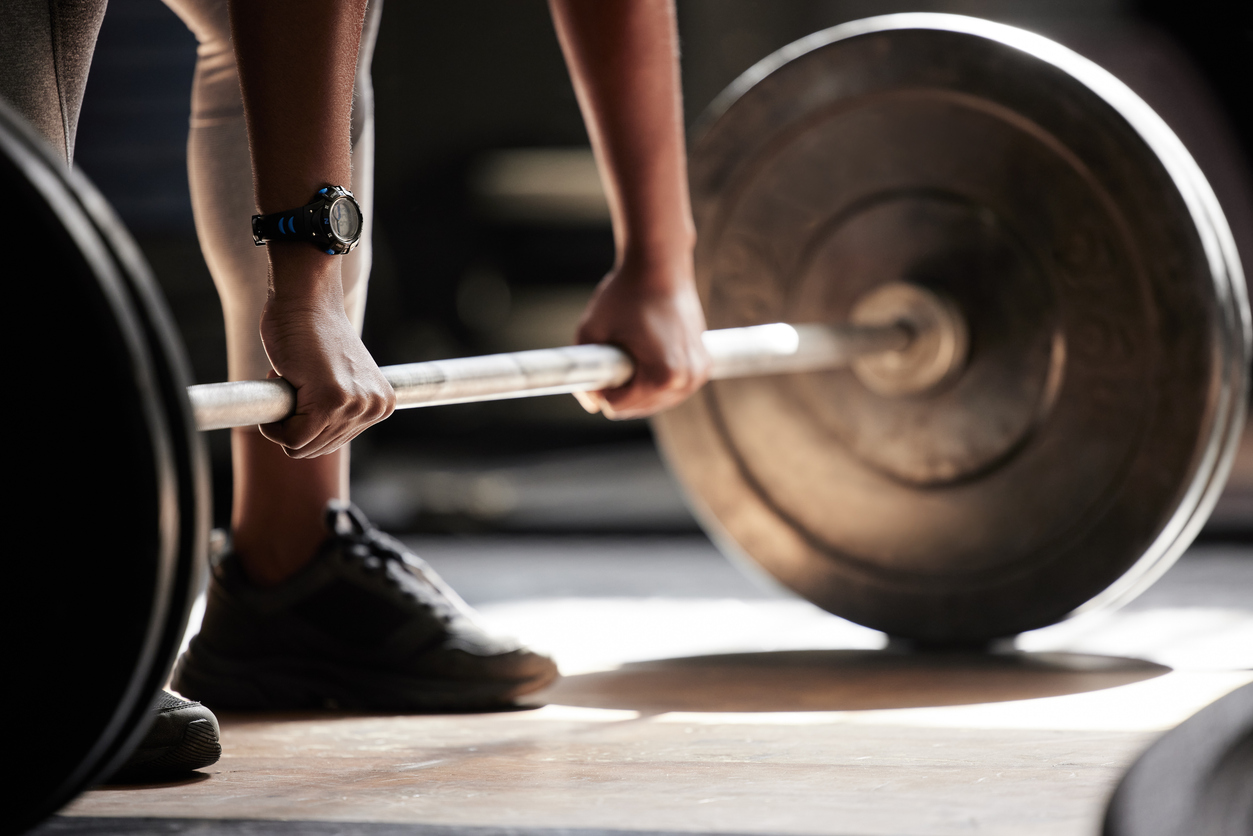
{"x":331,"y":222}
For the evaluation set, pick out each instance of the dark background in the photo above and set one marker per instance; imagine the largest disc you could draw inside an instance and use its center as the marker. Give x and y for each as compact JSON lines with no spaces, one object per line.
{"x":457,"y":80}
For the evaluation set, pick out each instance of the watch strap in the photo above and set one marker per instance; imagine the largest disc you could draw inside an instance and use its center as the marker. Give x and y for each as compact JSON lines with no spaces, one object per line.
{"x":291,"y":225}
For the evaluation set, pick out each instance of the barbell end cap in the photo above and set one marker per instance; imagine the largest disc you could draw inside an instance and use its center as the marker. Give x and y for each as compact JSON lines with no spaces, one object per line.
{"x":935,"y":355}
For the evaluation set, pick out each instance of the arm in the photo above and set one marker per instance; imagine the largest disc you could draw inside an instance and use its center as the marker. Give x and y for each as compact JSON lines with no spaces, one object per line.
{"x":296,"y":66}
{"x":623,"y":60}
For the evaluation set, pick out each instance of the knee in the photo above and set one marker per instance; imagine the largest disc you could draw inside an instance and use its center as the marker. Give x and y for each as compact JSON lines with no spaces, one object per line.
{"x":209,"y":21}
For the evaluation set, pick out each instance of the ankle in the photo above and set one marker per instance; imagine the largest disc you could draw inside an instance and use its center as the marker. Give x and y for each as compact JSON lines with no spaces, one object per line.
{"x":269,"y":561}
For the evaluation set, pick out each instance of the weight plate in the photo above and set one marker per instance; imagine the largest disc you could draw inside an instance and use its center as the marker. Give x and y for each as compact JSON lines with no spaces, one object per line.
{"x":1081,"y":447}
{"x":114,"y":480}
{"x":1195,"y":779}
{"x":172,"y":374}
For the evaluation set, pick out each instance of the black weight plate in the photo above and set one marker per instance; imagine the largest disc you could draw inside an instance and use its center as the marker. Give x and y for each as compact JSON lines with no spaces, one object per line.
{"x":173,"y":376}
{"x":1087,"y":438}
{"x":1196,"y":780}
{"x":99,"y":472}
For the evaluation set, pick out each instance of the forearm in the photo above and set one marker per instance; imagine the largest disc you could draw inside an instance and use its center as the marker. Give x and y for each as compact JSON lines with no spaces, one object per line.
{"x":296,"y":61}
{"x":623,"y":60}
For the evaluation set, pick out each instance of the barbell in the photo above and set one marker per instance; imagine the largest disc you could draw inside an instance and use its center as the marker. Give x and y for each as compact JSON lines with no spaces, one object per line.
{"x":1013,"y":392}
{"x":902,"y":338}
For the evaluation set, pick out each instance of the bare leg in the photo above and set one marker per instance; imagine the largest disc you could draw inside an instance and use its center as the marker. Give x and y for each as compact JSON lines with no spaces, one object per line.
{"x":278,"y":502}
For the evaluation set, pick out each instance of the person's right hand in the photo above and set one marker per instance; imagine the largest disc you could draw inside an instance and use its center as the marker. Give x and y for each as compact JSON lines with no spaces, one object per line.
{"x":313,"y":346}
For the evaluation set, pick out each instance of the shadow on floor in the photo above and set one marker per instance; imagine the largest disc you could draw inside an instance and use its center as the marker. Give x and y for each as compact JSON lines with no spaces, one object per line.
{"x":101,"y":826}
{"x":843,"y":680}
{"x":140,"y":784}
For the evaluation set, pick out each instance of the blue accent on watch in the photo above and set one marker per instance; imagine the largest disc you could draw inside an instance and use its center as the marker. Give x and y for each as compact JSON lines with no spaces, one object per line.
{"x":280,"y":226}
{"x":330,"y":252}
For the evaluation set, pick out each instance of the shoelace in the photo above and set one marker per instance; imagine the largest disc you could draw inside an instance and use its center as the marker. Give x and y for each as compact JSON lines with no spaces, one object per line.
{"x":372,"y":546}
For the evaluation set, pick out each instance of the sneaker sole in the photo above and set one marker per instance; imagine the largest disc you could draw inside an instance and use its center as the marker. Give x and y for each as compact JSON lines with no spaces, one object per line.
{"x":200,"y":747}
{"x":284,"y":684}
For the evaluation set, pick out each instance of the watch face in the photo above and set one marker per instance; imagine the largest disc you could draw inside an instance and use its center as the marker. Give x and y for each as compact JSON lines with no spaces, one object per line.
{"x":345,"y":220}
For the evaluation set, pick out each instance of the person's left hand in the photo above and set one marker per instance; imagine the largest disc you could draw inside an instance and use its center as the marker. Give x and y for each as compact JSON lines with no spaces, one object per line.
{"x":651,"y":312}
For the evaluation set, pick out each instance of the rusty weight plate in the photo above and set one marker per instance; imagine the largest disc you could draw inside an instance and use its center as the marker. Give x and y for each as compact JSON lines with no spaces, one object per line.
{"x":1084,"y":443}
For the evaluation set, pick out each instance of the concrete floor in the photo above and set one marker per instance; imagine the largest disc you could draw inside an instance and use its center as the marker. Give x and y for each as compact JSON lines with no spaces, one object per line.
{"x":699,"y":701}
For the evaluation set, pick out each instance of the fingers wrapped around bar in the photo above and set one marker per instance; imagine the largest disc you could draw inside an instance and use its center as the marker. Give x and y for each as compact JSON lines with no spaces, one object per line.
{"x":339,"y":388}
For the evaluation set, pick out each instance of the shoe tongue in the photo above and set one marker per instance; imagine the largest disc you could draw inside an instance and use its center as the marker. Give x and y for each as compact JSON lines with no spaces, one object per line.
{"x":343,"y":519}
{"x":342,"y":524}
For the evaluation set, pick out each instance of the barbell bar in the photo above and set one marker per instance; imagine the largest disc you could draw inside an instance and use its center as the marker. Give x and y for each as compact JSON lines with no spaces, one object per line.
{"x":919,"y":336}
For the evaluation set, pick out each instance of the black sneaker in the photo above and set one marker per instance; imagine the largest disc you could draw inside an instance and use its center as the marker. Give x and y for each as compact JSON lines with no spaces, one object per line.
{"x":366,"y":625}
{"x":183,"y":737}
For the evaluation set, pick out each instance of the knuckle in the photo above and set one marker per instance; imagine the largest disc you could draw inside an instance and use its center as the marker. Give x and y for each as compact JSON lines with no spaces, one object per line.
{"x":674,"y":381}
{"x":340,"y":402}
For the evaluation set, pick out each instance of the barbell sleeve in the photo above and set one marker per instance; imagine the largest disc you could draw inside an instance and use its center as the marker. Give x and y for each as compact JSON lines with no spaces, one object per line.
{"x":777,"y":348}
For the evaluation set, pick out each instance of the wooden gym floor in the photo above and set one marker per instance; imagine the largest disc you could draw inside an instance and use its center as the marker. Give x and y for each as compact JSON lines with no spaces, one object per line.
{"x":696,"y":701}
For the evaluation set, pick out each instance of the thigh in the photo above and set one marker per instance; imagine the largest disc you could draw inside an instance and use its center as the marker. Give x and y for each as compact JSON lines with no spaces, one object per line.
{"x":45,"y":52}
